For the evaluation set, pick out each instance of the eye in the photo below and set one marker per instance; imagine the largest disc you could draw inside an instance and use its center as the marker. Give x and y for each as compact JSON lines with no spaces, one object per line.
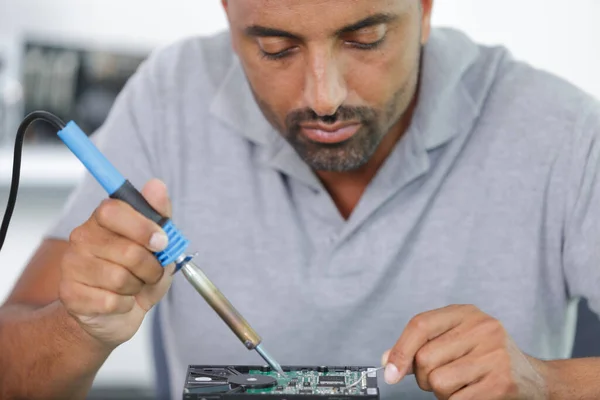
{"x":275,"y":48}
{"x":366,"y":46}
{"x":277,"y":56}
{"x":366,"y":38}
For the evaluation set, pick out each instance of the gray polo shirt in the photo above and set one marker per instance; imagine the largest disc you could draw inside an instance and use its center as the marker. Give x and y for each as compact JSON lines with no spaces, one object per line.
{"x":491,"y":198}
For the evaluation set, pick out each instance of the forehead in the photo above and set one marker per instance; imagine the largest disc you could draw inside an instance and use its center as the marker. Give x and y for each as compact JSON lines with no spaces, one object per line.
{"x":311,"y":16}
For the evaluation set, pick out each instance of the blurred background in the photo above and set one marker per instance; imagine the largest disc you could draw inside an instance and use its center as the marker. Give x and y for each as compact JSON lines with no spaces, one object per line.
{"x":72,"y":57}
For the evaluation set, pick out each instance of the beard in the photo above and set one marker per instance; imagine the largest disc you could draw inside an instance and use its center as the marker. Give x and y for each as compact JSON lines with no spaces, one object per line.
{"x":344,"y":156}
{"x":354,"y":152}
{"x":348,"y":155}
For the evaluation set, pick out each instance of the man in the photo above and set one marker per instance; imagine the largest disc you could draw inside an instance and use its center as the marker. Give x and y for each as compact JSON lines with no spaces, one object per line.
{"x":354,"y":182}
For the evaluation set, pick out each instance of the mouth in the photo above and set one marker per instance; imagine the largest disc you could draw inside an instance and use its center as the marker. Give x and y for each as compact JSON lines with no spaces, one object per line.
{"x":330,"y":134}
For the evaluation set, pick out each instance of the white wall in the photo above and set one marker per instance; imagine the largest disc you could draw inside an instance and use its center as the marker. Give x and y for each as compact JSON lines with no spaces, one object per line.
{"x":557,"y":35}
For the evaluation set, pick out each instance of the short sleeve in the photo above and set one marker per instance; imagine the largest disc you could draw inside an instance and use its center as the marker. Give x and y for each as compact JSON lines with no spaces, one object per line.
{"x":127,"y":139}
{"x":581,"y":246}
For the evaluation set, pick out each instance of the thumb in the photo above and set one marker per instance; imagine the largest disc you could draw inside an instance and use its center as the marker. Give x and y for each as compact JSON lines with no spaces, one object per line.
{"x":155,"y":192}
{"x":152,"y":294}
{"x":385,"y":357}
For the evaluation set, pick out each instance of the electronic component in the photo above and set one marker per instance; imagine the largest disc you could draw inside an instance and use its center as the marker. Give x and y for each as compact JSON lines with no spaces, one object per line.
{"x":309,"y":383}
{"x":331,"y":381}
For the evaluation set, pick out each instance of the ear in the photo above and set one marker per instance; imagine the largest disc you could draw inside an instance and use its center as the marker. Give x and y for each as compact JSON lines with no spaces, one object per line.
{"x":224,"y":4}
{"x":426,"y":8}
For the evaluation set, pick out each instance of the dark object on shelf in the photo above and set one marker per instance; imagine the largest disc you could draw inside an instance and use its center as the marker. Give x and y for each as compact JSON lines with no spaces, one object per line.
{"x":73,"y":83}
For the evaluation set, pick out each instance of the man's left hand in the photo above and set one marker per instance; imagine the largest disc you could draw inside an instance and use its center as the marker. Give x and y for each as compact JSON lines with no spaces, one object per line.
{"x":458,"y":353}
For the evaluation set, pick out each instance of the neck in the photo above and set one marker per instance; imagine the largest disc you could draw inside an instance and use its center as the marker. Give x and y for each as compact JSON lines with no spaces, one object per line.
{"x":346,"y":188}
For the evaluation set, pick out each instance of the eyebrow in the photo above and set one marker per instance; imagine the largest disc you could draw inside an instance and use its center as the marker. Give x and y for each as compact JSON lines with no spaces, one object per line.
{"x":373,"y":20}
{"x":376,"y":19}
{"x":262,"y":31}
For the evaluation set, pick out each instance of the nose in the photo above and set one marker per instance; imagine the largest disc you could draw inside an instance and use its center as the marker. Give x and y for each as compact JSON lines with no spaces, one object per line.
{"x":325,"y":89}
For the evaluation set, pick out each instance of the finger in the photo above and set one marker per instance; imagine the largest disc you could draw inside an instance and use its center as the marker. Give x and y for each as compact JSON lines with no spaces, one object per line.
{"x":89,"y":301}
{"x":156,"y":194}
{"x":121,"y":219}
{"x":151,"y":294}
{"x":385,"y":357}
{"x":118,"y":250}
{"x":103,"y":274}
{"x":453,"y":377}
{"x":442,"y":350}
{"x":421,"y":329}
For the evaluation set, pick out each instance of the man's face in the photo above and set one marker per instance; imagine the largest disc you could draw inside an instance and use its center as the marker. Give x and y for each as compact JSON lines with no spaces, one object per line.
{"x":332,"y":76}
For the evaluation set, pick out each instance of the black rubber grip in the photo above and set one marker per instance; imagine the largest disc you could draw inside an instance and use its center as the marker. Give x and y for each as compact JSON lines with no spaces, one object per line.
{"x":130,"y":195}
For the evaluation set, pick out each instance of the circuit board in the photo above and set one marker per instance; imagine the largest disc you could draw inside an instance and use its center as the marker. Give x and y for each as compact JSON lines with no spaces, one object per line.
{"x":258,"y":382}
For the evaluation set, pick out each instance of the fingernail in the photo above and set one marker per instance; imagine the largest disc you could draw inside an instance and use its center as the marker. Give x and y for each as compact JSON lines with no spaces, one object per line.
{"x":159,"y":241}
{"x":391,"y":374}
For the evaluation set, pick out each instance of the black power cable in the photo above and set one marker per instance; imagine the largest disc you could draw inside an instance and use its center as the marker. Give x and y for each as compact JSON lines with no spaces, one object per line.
{"x":53,"y":120}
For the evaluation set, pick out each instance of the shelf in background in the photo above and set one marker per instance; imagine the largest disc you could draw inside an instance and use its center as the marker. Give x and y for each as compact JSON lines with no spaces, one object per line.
{"x":42,"y":166}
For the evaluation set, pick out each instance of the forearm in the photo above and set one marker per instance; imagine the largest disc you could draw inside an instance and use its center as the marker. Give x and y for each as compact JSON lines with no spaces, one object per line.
{"x":44,"y":354}
{"x":573,"y":379}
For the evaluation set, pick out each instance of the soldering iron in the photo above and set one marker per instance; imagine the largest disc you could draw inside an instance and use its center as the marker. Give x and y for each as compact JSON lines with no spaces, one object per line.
{"x":119,"y":188}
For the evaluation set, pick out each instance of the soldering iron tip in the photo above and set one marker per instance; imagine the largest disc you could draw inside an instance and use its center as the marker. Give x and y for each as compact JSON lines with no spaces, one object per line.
{"x":270,"y":360}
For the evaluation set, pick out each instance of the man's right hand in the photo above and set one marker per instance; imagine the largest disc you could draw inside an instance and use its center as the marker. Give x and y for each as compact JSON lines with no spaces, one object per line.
{"x":110,"y":277}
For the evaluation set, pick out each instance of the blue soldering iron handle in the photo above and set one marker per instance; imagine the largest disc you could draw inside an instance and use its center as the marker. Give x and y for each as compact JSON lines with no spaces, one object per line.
{"x":119,"y":188}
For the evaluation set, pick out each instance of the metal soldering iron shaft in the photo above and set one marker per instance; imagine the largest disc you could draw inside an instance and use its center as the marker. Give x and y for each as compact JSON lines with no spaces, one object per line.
{"x":220,"y":304}
{"x":226,"y":311}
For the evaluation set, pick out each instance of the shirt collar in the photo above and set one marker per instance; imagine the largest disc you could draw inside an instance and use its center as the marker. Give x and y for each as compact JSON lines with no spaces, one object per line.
{"x":445,"y":106}
{"x":235,"y":106}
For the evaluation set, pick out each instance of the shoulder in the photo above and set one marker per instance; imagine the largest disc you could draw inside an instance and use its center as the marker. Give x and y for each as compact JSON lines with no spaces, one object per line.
{"x":171,"y":96}
{"x":530,"y":97}
{"x":522,"y":114}
{"x":536,"y":122}
{"x":493,"y":96}
{"x":190,"y":69}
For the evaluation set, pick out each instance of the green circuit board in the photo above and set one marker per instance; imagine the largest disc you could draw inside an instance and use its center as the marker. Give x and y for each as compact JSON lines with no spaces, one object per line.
{"x":238,"y":382}
{"x":312,"y":382}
